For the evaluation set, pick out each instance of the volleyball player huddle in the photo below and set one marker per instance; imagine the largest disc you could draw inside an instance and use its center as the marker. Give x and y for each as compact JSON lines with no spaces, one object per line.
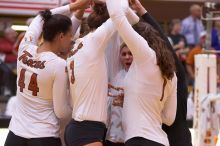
{"x":142,"y":94}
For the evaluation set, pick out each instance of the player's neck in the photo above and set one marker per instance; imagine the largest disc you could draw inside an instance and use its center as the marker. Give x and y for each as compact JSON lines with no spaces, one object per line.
{"x":48,"y":47}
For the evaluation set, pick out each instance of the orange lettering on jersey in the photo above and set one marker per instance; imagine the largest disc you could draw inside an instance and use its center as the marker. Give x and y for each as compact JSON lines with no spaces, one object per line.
{"x":80,"y":46}
{"x":38,"y":64}
{"x":72,"y":75}
{"x":26,"y":59}
{"x":30,"y":62}
{"x":25,"y":55}
{"x":75,"y":51}
{"x":42,"y":66}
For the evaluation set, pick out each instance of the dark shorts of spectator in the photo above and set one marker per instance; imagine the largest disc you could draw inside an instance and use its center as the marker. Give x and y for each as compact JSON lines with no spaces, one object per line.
{"x":83,"y":133}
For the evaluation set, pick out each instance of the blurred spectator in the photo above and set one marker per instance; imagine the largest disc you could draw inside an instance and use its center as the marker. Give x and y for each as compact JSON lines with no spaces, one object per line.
{"x":192,"y":26}
{"x":178,"y":40}
{"x":6,"y":46}
{"x":8,"y":60}
{"x":190,"y":58}
{"x":216,"y":35}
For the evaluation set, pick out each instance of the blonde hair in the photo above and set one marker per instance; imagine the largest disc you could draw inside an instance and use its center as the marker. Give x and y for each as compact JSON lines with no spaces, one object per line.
{"x":122,"y":46}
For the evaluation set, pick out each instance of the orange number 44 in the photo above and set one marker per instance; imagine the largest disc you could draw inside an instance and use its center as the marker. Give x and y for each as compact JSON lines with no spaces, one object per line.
{"x":33,"y":86}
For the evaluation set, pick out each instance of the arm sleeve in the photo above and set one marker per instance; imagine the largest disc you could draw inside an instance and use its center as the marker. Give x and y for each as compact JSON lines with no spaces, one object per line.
{"x":75,"y":23}
{"x":101,"y":36}
{"x":169,"y":111}
{"x":105,"y":32}
{"x":112,"y":56}
{"x":61,"y":101}
{"x":35,"y":29}
{"x":137,"y":44}
{"x":131,"y":16}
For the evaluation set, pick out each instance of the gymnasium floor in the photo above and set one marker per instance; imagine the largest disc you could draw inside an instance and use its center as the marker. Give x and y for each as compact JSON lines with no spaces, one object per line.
{"x":3,"y":135}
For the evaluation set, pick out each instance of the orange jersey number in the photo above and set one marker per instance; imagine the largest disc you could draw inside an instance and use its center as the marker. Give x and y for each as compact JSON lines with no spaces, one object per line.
{"x":33,"y":86}
{"x":21,"y":83}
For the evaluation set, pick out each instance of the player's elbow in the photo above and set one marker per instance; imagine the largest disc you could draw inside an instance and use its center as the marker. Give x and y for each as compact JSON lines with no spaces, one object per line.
{"x":168,"y":119}
{"x":169,"y":122}
{"x":61,"y":113}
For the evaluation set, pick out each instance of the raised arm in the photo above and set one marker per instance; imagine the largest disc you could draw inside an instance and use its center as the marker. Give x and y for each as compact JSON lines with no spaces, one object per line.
{"x":169,"y":111}
{"x":137,"y":44}
{"x":76,"y":19}
{"x":103,"y":34}
{"x":142,"y":12}
{"x":35,"y":29}
{"x":62,"y":107}
{"x":182,"y":86}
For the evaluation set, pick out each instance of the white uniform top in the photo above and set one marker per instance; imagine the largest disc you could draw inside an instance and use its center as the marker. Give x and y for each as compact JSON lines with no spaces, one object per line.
{"x":41,"y":86}
{"x":11,"y":106}
{"x":89,"y":86}
{"x":89,"y":90}
{"x":143,"y":110}
{"x":115,"y":131}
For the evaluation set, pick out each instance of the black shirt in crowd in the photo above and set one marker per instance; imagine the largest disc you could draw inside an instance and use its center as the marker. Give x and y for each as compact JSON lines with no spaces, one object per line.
{"x":177,"y":38}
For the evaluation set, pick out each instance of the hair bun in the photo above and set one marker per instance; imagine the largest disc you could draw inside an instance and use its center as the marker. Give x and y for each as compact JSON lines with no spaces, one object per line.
{"x":46,"y":15}
{"x":100,"y":8}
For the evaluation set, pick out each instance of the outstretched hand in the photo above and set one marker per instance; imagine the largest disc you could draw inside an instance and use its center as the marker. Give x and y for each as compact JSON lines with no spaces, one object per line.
{"x":80,"y":4}
{"x":137,"y":6}
{"x":134,"y":4}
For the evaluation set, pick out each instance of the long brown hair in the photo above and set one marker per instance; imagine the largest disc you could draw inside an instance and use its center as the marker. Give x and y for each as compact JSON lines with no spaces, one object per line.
{"x":165,"y":60}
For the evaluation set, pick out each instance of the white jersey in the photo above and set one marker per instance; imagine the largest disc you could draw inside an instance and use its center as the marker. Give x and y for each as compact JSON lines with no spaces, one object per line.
{"x":144,"y":109}
{"x":87,"y":72}
{"x":88,"y":68}
{"x":11,"y":106}
{"x":115,"y":131}
{"x":41,"y":87}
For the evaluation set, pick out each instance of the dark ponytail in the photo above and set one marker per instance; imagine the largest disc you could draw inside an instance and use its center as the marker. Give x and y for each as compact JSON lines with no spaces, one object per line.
{"x":54,"y":24}
{"x":46,"y":15}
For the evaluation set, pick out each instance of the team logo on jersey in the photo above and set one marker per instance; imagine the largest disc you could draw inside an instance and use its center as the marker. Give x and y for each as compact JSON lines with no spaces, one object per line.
{"x":75,"y":51}
{"x":26,"y":59}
